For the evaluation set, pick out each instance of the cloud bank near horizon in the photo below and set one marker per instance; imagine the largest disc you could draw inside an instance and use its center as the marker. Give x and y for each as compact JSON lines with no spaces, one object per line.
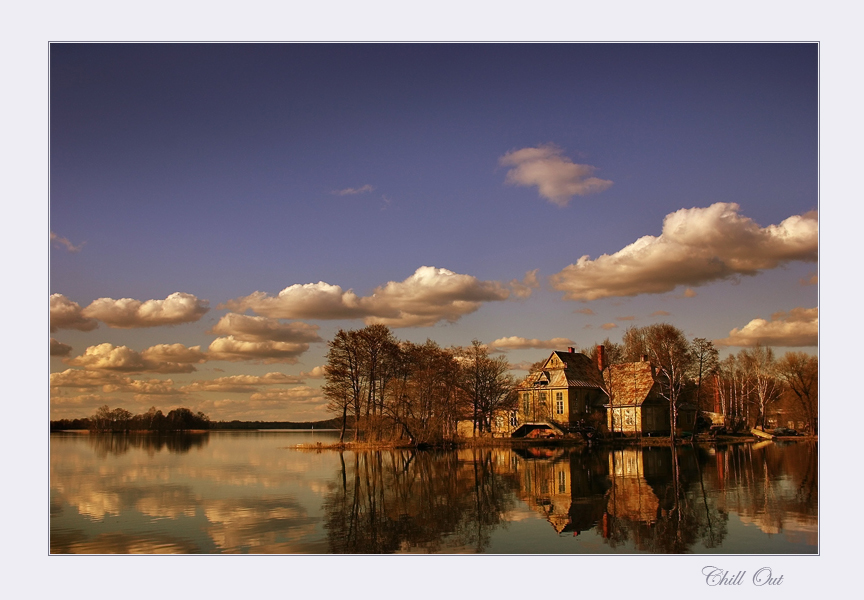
{"x":697,"y":246}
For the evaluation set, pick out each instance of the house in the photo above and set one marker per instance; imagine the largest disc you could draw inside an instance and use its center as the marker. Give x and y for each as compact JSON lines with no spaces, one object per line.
{"x":635,"y":405}
{"x":565,"y":392}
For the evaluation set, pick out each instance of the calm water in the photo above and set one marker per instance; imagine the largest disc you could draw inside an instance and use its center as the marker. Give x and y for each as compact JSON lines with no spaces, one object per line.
{"x":252,"y":492}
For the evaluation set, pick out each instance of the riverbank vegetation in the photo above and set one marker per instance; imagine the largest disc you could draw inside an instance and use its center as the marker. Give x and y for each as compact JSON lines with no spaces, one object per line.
{"x":120,"y":420}
{"x":403,"y":392}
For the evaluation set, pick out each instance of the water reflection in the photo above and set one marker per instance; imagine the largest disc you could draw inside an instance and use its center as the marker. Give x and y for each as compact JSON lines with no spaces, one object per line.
{"x":417,"y":502}
{"x":251,"y":493}
{"x":104,"y":444}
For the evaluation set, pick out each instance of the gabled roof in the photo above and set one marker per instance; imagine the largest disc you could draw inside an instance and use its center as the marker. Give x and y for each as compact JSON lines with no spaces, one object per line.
{"x":568,"y":369}
{"x":631,"y":382}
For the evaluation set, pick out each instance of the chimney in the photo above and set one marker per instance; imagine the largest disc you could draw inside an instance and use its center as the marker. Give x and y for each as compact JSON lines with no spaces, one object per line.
{"x":644,"y":358}
{"x":601,"y":357}
{"x":571,"y":349}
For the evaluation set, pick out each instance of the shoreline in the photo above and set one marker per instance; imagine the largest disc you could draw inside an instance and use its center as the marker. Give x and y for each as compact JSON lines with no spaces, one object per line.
{"x":548,"y":443}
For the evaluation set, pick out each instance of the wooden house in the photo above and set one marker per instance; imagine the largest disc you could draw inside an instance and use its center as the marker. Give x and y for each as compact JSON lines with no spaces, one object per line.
{"x":564,"y":392}
{"x":635,"y":405}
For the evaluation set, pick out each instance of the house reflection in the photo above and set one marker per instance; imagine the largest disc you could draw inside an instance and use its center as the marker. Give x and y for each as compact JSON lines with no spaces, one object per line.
{"x":632,"y":495}
{"x":568,"y":489}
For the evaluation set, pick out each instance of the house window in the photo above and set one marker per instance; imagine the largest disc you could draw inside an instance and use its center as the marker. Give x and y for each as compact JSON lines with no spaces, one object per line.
{"x":628,"y":418}
{"x":526,"y":402}
{"x":562,"y":483}
{"x":514,"y":419}
{"x":543,"y":398}
{"x":559,"y":407}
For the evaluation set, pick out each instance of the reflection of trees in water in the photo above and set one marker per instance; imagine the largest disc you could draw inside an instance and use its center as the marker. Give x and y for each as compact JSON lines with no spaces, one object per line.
{"x":659,"y":502}
{"x":401,"y":501}
{"x":104,"y":444}
{"x":774,"y":486}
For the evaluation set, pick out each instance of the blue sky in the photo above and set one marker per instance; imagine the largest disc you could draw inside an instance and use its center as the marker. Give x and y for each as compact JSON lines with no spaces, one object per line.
{"x":207,"y":179}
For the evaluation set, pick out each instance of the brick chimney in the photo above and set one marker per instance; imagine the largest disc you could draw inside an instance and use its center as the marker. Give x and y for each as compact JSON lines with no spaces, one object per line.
{"x":571,"y":349}
{"x":601,"y":357}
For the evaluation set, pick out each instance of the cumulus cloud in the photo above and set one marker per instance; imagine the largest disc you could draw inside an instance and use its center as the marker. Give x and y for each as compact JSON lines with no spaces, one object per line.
{"x":557,"y":177}
{"x":59,"y":349}
{"x":122,"y":359}
{"x":813,"y":279}
{"x":127,"y":313}
{"x":62,"y":242}
{"x":241,"y":383}
{"x":144,"y":388}
{"x":66,"y":314}
{"x":798,"y":327}
{"x":174,"y":353}
{"x":428,"y":296}
{"x":260,"y":329}
{"x":303,"y":394}
{"x":316,"y":373}
{"x":521,"y":343}
{"x":231,"y":349}
{"x":696,"y":246}
{"x":690,"y":293}
{"x":608,"y":326}
{"x":660,"y":313}
{"x":627,"y":318}
{"x":81,"y":379}
{"x":524,"y":288}
{"x":352,"y":191}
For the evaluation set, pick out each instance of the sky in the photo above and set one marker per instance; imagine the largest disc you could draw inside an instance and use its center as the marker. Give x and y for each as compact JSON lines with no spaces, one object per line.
{"x":219,"y":211}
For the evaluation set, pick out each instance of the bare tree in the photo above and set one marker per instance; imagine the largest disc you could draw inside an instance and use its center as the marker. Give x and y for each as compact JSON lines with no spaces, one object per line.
{"x":343,"y":385}
{"x":800,"y":372}
{"x":486,"y":382}
{"x":705,"y":363}
{"x":671,"y":355}
{"x":762,"y":368}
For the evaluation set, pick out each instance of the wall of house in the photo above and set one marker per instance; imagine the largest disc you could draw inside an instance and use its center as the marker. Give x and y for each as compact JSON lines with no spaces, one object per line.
{"x":626,"y":420}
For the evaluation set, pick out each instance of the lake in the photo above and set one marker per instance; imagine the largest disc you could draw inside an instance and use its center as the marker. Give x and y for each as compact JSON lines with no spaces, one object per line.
{"x":254,"y":492}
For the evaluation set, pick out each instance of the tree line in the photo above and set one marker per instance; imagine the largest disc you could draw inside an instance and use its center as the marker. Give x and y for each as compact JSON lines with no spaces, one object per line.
{"x":415,"y":392}
{"x":120,"y":420}
{"x":744,"y":387}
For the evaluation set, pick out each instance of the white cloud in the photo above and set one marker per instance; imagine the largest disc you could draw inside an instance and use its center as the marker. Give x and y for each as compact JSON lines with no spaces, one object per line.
{"x":127,"y":313}
{"x":798,"y":327}
{"x":524,"y":288}
{"x":232,"y":349}
{"x":430,"y":295}
{"x":176,"y":353}
{"x":65,"y":314}
{"x":316,"y":373}
{"x":521,"y":343}
{"x":241,"y":383}
{"x":696,"y":246}
{"x":303,"y":394}
{"x":63,"y":242}
{"x":59,"y":349}
{"x":108,"y":357}
{"x":80,"y":379}
{"x":557,"y":178}
{"x":352,"y":191}
{"x":260,"y":329}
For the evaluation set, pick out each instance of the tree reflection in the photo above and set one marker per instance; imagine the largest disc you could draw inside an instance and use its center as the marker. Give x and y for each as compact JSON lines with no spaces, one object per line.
{"x":658,"y":501}
{"x":402,"y":501}
{"x":115,"y":444}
